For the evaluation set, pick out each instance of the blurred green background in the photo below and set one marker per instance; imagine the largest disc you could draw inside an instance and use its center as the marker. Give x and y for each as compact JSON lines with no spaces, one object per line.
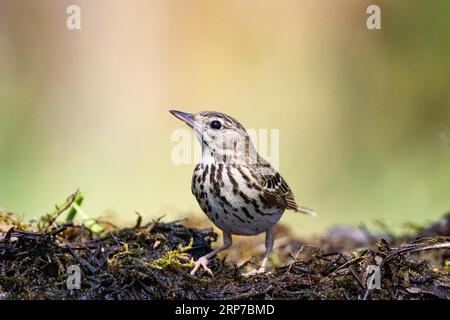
{"x":363,"y":114}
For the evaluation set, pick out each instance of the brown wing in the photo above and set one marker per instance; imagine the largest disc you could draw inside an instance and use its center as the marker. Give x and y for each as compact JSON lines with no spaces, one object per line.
{"x":275,"y":190}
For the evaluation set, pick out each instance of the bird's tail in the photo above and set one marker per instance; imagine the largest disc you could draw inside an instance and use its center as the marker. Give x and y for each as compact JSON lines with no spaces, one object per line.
{"x":291,"y":204}
{"x":307,"y":211}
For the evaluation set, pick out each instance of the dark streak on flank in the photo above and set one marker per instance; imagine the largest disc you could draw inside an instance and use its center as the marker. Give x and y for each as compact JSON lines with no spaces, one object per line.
{"x":263,"y":201}
{"x":239,"y":218}
{"x":244,"y":209}
{"x":258,"y":210}
{"x":244,"y":196}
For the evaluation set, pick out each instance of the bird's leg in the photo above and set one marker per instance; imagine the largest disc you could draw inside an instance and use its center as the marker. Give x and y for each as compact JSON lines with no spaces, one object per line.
{"x":269,"y":247}
{"x":203,"y":261}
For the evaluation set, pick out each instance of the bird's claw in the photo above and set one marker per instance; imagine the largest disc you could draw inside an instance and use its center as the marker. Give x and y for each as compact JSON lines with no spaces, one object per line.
{"x":201,"y":262}
{"x":255,"y":272}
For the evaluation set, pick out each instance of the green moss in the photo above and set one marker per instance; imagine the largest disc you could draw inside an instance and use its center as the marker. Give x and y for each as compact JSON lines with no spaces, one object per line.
{"x":177,"y":257}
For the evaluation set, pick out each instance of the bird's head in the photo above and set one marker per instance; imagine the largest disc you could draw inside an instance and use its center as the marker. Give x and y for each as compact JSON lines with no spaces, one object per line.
{"x":221,"y":136}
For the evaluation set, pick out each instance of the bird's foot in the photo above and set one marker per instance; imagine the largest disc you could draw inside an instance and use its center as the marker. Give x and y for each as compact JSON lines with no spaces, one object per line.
{"x":201,"y":262}
{"x":255,"y":272}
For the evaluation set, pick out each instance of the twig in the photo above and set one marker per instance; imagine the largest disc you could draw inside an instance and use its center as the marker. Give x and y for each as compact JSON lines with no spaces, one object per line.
{"x":353,"y":272}
{"x":348,"y":263}
{"x":86,"y":266}
{"x":51,"y":217}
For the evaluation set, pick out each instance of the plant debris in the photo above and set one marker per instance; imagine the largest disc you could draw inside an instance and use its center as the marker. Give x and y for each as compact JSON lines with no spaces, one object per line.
{"x":153,"y":260}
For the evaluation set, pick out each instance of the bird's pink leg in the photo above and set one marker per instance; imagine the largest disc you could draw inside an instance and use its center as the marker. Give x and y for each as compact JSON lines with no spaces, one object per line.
{"x":269,"y":247}
{"x":203,"y":261}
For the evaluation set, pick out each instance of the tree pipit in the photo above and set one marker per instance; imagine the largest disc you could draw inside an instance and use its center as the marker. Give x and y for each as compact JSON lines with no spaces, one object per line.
{"x":239,"y":191}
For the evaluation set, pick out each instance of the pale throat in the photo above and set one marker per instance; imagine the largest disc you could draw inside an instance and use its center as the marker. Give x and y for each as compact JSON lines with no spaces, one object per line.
{"x":227,"y":156}
{"x":234,"y":152}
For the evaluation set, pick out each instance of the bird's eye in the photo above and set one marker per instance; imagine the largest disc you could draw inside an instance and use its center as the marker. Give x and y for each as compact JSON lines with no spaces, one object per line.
{"x":216,"y":125}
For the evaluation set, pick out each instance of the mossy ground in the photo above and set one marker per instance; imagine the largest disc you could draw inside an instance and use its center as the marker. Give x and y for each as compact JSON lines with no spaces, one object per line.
{"x":153,"y":260}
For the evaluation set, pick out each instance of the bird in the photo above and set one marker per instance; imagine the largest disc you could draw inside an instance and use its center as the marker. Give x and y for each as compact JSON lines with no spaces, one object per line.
{"x":237,"y":189}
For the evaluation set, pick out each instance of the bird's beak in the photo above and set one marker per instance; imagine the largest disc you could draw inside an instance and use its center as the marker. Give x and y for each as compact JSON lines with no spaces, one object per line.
{"x":187,"y":118}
